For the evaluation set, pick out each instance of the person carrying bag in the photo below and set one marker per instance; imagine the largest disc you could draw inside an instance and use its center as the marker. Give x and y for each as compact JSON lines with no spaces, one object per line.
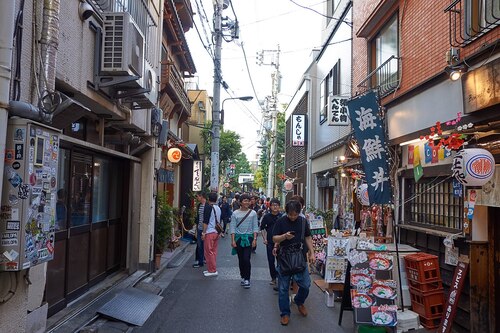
{"x":290,"y":234}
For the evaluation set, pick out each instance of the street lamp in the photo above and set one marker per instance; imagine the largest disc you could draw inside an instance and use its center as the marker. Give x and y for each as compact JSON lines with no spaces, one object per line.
{"x":216,"y":122}
{"x":243,"y":98}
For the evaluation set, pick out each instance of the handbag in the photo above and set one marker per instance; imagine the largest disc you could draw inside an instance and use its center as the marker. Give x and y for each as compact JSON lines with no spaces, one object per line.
{"x":291,"y":258}
{"x":218,"y":226}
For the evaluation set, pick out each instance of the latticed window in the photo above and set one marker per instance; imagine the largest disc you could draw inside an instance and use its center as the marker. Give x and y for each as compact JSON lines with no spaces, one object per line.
{"x":431,"y":202}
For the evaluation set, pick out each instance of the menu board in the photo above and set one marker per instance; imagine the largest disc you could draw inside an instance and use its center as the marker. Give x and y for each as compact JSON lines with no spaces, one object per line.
{"x":336,"y":262}
{"x":318,"y":235}
{"x":373,"y":291}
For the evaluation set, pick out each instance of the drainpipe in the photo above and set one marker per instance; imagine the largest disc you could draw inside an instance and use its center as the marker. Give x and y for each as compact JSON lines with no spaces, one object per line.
{"x":7,"y":10}
{"x":49,"y":42}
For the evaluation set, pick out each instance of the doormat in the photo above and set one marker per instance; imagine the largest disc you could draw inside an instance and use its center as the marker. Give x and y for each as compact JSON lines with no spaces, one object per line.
{"x":131,"y":305}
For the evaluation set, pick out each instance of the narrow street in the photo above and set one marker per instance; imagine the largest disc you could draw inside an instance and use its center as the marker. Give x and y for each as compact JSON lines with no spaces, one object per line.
{"x":194,"y":303}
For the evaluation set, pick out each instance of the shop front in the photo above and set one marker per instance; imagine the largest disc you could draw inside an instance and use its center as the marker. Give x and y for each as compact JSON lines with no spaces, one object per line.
{"x":91,"y":221}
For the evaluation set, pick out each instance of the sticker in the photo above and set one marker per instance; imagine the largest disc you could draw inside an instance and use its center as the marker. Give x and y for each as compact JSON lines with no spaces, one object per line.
{"x":46,"y":186}
{"x":32,"y":154}
{"x":16,"y":165}
{"x":9,"y":155}
{"x":14,"y":225}
{"x":33,"y":179}
{"x":50,"y":247}
{"x":19,"y":134}
{"x":32,"y":131}
{"x":53,"y":182}
{"x":15,"y":213}
{"x":24,"y":191}
{"x":14,"y":178}
{"x":11,"y":255}
{"x":9,"y":239}
{"x":19,"y":147}
{"x":11,"y":266}
{"x":13,"y":199}
{"x":6,"y":212}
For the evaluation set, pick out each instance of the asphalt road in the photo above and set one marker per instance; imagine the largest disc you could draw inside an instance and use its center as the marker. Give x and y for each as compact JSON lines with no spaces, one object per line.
{"x":194,"y":303}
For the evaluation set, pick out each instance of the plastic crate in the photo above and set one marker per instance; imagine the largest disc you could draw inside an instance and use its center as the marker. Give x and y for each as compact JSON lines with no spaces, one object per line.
{"x":422,"y":268}
{"x":430,"y":323}
{"x":428,"y":304}
{"x":426,"y":287}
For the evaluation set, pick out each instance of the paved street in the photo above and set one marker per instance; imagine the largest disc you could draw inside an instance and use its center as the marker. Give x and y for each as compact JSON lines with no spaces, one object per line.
{"x":194,"y":303}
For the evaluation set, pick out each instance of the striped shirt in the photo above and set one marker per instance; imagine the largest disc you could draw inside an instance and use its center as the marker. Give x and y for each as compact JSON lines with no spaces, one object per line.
{"x":248,"y":227}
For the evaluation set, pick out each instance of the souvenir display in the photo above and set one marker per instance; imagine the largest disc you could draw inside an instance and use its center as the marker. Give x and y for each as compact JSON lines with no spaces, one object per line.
{"x":319,"y":239}
{"x":336,"y":262}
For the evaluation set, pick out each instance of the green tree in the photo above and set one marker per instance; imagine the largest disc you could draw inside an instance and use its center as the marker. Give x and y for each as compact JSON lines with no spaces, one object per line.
{"x":229,"y":151}
{"x":259,"y":179}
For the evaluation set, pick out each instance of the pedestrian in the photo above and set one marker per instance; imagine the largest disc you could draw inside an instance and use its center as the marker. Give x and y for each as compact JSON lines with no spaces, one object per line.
{"x":287,"y":231}
{"x":244,"y":228}
{"x":235,"y":203}
{"x":210,"y":236}
{"x":267,"y":226}
{"x":226,"y":214}
{"x":202,"y":210}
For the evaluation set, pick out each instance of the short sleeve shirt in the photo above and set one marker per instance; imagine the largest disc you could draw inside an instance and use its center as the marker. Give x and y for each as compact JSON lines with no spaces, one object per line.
{"x":284,"y":224}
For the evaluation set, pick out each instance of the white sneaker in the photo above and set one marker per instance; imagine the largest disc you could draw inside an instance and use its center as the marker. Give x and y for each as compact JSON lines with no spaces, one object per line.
{"x":242,"y":283}
{"x":204,"y":272}
{"x":246,"y":284}
{"x":208,"y":274}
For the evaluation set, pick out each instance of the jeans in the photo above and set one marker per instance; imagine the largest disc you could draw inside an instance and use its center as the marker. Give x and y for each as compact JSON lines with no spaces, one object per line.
{"x":304,"y":282}
{"x":244,"y":254}
{"x":200,"y":253}
{"x":211,"y":242}
{"x":271,"y":260}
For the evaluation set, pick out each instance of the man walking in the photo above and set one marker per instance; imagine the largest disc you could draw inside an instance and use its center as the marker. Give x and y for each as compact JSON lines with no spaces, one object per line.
{"x":288,"y":230}
{"x":203,"y":210}
{"x":210,"y":236}
{"x":267,"y":226}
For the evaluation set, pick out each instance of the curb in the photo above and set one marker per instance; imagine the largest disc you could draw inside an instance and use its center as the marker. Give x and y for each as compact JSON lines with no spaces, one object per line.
{"x":165,"y":261}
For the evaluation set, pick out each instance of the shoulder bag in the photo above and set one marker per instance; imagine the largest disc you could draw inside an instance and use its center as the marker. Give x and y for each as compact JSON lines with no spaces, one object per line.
{"x":291,"y":259}
{"x":244,"y":218}
{"x":218,"y":226}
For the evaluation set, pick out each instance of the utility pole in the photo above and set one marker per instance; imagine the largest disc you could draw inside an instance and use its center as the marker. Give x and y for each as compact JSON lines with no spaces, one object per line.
{"x":214,"y":157}
{"x":273,"y":110}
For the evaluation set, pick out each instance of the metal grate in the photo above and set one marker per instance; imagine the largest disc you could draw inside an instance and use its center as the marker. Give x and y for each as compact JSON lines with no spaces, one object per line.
{"x":431,"y":202}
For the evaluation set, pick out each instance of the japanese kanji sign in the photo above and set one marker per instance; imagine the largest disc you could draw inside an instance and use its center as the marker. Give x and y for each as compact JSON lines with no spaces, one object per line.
{"x":197,"y":174}
{"x":337,"y":111}
{"x":369,"y":132}
{"x":298,"y":130}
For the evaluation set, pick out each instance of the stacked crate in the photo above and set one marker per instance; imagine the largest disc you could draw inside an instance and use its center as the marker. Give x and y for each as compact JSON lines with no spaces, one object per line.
{"x":426,"y":288}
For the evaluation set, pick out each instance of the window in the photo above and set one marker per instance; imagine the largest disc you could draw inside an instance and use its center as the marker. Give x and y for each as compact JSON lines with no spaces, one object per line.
{"x":331,"y":7}
{"x":431,"y":202}
{"x":479,"y":16}
{"x":329,"y":86}
{"x":384,"y":56}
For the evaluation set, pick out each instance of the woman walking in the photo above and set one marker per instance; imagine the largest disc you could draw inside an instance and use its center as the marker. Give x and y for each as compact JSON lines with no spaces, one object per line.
{"x":244,"y":227}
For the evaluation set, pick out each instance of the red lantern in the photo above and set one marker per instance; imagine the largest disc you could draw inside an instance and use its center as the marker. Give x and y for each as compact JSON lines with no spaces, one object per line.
{"x":174,"y":155}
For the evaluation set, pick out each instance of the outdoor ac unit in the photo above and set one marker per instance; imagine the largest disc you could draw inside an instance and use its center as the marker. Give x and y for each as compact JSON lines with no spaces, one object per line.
{"x":122,"y":46}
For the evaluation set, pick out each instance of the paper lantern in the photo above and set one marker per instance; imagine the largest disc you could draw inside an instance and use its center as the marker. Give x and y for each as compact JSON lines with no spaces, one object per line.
{"x":473,"y":166}
{"x":288,"y":185}
{"x":174,"y":155}
{"x":362,"y":194}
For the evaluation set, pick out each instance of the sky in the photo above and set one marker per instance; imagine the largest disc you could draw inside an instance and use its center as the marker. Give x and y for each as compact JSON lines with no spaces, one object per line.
{"x":263,"y":25}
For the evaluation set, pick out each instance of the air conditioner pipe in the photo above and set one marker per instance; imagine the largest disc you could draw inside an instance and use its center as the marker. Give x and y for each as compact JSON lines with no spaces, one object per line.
{"x":49,"y":42}
{"x":122,"y":138}
{"x":28,"y":111}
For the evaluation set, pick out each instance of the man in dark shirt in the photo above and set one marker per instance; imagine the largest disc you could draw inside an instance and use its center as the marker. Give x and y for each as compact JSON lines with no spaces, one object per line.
{"x":267,"y":226}
{"x":287,"y":231}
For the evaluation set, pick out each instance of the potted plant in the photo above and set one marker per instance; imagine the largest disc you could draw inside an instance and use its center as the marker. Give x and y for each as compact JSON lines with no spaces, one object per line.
{"x":164,"y":226}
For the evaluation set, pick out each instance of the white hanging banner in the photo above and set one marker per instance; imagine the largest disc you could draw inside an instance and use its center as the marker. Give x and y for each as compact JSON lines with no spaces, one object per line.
{"x":197,"y":175}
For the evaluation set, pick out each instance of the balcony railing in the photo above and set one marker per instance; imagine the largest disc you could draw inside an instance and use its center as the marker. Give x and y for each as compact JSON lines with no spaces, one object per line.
{"x":471,"y":19}
{"x":171,"y":79}
{"x":385,"y":77}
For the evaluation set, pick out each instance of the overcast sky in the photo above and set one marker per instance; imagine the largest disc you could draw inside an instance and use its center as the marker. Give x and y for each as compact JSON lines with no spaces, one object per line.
{"x":263,"y":25}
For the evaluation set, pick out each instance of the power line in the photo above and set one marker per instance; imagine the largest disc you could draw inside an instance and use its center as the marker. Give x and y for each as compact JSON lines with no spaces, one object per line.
{"x":315,"y":11}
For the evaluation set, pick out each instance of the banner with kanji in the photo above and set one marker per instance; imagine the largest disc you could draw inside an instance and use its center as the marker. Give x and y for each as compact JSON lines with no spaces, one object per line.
{"x":370,"y":134}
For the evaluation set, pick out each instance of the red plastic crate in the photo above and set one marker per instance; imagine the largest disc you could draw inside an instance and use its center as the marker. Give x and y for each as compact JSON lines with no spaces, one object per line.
{"x":427,"y":304}
{"x":430,"y":323}
{"x":426,"y":287}
{"x":422,"y":267}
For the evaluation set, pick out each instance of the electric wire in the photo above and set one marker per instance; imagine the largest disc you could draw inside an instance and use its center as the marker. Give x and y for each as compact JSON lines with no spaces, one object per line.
{"x":315,"y":11}
{"x":18,"y":37}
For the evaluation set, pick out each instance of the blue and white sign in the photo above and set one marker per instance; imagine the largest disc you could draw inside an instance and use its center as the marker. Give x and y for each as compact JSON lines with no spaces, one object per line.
{"x":298,"y":130}
{"x":369,"y":132}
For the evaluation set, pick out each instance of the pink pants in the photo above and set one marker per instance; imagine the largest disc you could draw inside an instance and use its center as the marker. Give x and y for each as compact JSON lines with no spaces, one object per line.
{"x":210,"y":247}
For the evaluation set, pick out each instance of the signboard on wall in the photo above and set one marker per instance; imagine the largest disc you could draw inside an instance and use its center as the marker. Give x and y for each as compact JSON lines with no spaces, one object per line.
{"x":197,"y":175}
{"x":298,"y":130}
{"x":338,"y":113}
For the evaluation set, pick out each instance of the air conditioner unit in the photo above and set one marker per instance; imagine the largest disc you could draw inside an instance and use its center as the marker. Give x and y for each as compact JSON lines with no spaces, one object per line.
{"x":148,"y":98}
{"x":122,"y":46}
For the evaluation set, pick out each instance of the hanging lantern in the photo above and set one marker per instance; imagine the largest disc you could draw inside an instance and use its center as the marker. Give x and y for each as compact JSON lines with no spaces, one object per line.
{"x":174,"y":155}
{"x":362,"y":194}
{"x":288,"y":185}
{"x":473,"y":166}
